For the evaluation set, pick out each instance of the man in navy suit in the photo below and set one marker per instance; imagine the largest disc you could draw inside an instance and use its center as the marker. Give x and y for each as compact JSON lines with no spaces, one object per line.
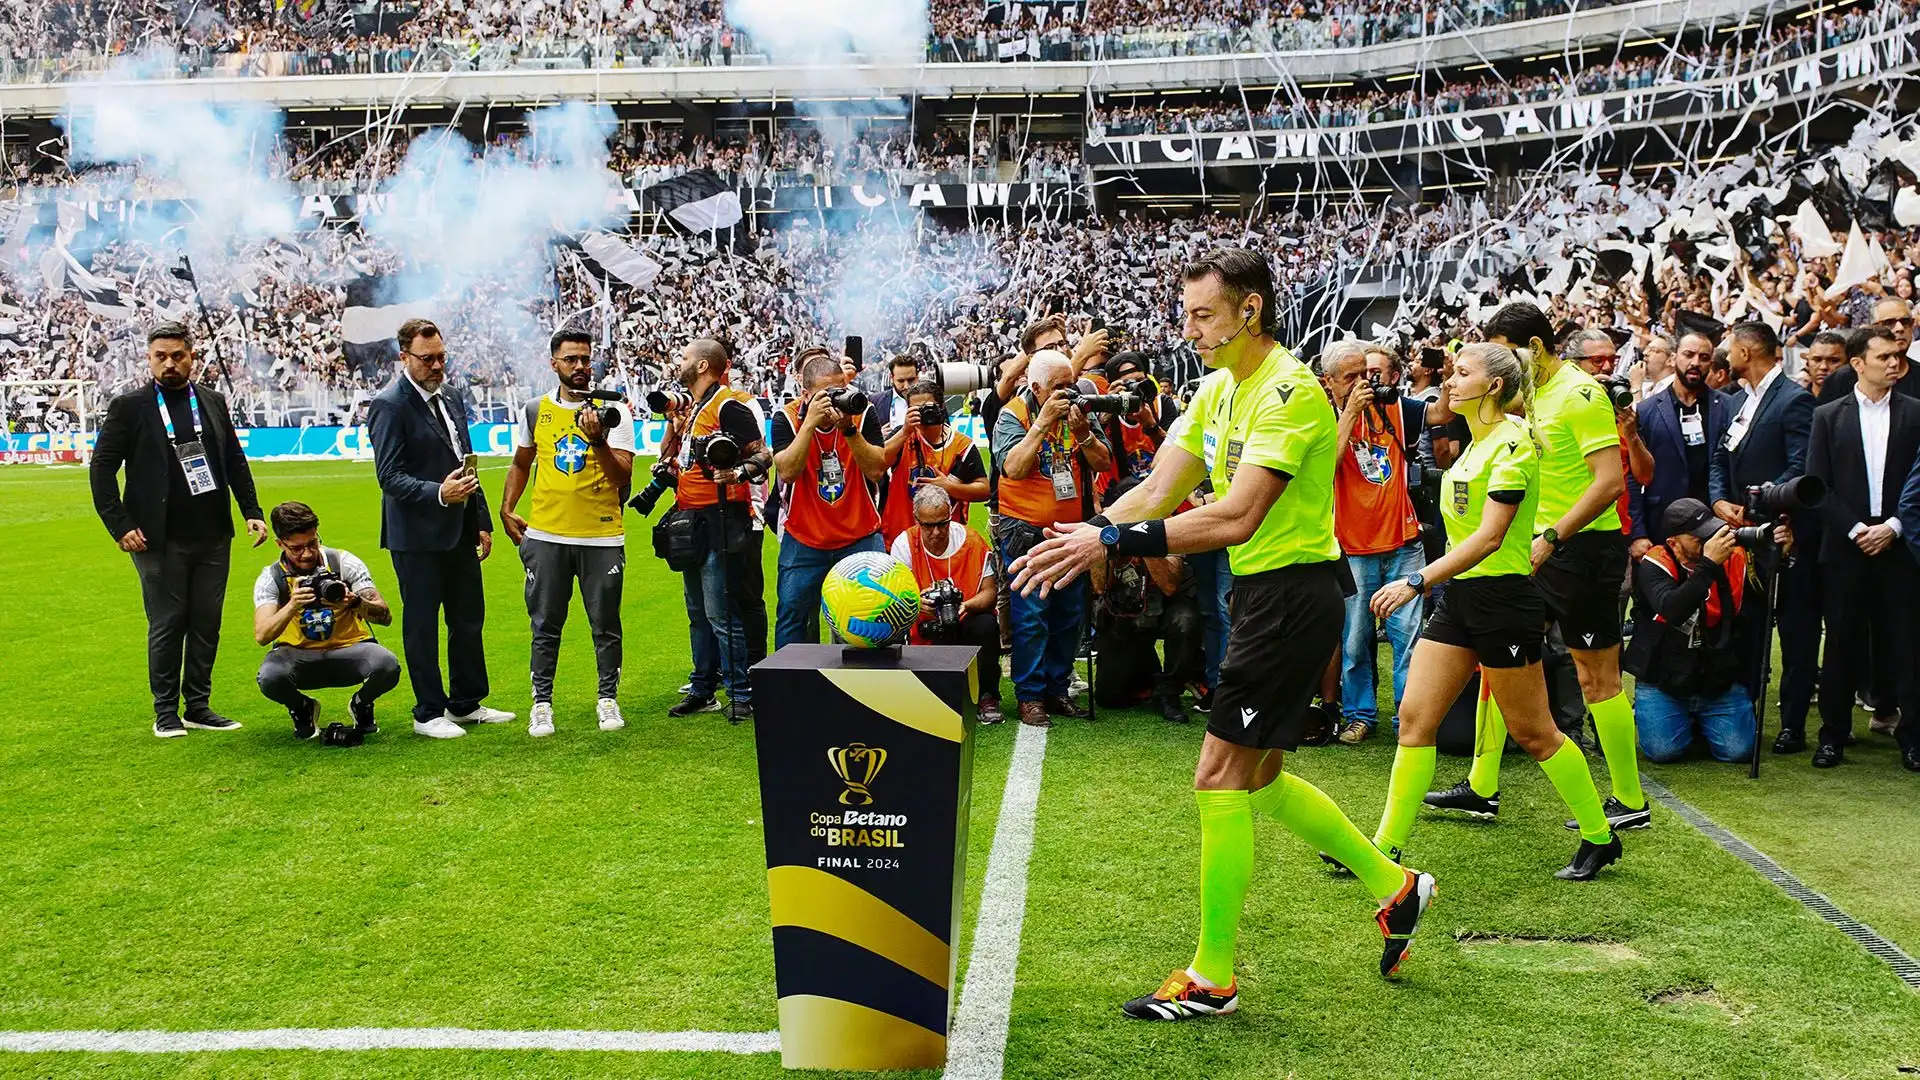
{"x":1908,"y":733}
{"x":1685,"y":428}
{"x":434,"y":523}
{"x":1766,"y":443}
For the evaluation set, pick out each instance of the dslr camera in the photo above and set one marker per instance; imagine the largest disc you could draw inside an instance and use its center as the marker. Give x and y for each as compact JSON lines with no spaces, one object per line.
{"x":663,"y":481}
{"x":717,"y":451}
{"x":1118,"y":404}
{"x":326,"y":586}
{"x":1384,"y":393}
{"x":339,"y":734}
{"x":849,"y":400}
{"x":944,"y":624}
{"x":933,"y":414}
{"x":602,"y":401}
{"x":1768,"y":503}
{"x":666,"y":399}
{"x":1619,"y":391}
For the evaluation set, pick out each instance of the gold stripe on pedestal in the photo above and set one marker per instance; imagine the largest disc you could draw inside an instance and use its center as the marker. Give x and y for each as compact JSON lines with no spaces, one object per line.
{"x":901,"y":697}
{"x":824,"y":1033}
{"x":817,"y":900}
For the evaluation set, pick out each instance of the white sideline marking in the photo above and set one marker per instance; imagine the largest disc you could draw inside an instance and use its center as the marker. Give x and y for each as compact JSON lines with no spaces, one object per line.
{"x":978,"y":1048}
{"x":182,"y":1042}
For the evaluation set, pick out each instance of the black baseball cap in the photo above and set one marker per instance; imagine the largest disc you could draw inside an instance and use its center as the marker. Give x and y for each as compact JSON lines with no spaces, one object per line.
{"x":1690,"y":517}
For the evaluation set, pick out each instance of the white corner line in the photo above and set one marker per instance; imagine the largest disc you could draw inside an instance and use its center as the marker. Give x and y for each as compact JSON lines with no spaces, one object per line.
{"x":448,"y":1038}
{"x":977,"y":1049}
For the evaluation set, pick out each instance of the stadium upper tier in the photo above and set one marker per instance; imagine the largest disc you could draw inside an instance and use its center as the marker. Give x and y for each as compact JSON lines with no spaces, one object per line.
{"x":273,"y":68}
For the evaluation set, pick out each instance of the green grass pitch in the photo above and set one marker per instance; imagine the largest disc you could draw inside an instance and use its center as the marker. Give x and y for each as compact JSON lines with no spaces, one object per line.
{"x":616,"y":881}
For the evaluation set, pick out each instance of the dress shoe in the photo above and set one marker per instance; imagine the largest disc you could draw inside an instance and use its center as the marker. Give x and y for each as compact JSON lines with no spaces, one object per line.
{"x":1827,"y":755}
{"x":1910,"y":758}
{"x":1790,"y":742}
{"x":1034,"y":714}
{"x":1065,"y":706}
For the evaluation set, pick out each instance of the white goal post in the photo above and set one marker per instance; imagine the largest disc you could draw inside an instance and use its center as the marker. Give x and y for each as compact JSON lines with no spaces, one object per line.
{"x":46,"y":421}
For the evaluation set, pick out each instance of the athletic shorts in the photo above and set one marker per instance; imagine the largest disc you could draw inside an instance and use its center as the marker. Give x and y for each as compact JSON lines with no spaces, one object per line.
{"x":1284,"y":628}
{"x":1581,"y":585}
{"x":1502,"y":619}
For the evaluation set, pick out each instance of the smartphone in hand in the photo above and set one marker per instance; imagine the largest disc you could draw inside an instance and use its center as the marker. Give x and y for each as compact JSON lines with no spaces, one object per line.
{"x":472,"y":465}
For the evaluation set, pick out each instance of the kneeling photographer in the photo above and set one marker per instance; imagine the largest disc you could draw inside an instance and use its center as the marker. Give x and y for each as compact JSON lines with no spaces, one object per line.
{"x":1685,"y":655}
{"x":1139,"y":603}
{"x":954,"y":568}
{"x":313,"y":607}
{"x":712,"y":455}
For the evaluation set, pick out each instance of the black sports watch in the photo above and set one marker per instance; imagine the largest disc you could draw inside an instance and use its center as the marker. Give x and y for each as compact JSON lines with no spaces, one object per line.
{"x":1417,"y":581}
{"x":1552,"y":538}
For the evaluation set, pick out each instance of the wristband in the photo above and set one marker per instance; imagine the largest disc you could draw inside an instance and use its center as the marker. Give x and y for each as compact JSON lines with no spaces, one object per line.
{"x":1099,"y":521}
{"x":1147,"y":539}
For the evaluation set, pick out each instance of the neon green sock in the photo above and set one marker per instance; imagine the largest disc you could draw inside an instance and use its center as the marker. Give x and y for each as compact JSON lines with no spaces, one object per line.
{"x":1406,"y":789}
{"x":1567,"y":768}
{"x":1613,"y":722}
{"x":1307,"y":812}
{"x":1226,"y":872}
{"x":1489,"y":742}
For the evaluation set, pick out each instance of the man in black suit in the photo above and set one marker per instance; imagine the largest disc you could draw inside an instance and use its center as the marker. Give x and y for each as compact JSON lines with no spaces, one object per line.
{"x":1908,"y":733}
{"x":1892,"y":314}
{"x":1684,"y":428}
{"x":183,"y":462}
{"x":1766,"y":443}
{"x":1863,"y":446}
{"x":434,"y":524}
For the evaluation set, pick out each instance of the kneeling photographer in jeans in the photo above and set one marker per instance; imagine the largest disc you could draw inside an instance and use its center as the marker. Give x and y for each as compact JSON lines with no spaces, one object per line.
{"x":954,"y":568}
{"x":313,"y":607}
{"x":1687,"y":593}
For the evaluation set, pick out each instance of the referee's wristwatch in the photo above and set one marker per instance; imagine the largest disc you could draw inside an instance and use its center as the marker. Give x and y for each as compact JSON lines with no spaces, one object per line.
{"x":1552,"y":538}
{"x":1417,"y":581}
{"x":1109,"y":532}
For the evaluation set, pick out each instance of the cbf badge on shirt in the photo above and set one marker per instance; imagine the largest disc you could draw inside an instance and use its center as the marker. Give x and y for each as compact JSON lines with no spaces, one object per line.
{"x":192,"y":455}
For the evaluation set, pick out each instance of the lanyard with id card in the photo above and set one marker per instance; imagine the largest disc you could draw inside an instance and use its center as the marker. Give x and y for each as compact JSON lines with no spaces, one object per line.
{"x":1064,"y":489}
{"x":192,"y":454}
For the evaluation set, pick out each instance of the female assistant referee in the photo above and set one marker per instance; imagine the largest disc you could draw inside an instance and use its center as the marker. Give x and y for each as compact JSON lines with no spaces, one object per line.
{"x":1261,"y":428}
{"x":1490,"y":615}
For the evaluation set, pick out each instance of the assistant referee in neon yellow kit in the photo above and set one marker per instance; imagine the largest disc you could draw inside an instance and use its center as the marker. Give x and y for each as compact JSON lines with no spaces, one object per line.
{"x":1263,"y":431}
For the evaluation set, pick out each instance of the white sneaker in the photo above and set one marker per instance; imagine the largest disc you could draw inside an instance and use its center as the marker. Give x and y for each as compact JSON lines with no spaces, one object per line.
{"x":541,"y":723}
{"x":610,"y":718}
{"x":439,"y":728}
{"x":483,"y":715}
{"x":686,"y":689}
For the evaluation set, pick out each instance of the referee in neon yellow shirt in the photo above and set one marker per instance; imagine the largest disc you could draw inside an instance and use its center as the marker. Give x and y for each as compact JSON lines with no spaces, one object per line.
{"x":1263,"y":431}
{"x":1579,"y":560}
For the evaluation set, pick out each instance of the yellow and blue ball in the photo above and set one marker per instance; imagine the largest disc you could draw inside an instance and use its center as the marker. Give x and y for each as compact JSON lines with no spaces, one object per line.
{"x":870,"y":600}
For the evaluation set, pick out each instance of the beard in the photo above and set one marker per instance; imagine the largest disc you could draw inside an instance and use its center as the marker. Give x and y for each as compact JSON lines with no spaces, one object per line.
{"x":579,"y":380}
{"x":1695,"y":379}
{"x":173,"y":380}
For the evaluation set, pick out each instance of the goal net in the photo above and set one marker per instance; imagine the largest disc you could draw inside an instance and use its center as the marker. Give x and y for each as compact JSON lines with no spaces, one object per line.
{"x":47,"y":421}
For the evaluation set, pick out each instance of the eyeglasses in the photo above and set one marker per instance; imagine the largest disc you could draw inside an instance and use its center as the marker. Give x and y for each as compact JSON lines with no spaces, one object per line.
{"x":941,"y":524}
{"x":431,"y":361}
{"x":1896,"y":321}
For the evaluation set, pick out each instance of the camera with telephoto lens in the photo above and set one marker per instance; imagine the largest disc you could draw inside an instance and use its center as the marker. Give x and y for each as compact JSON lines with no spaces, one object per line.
{"x":1753,"y":537}
{"x":944,"y":624}
{"x":666,"y":399}
{"x":1119,"y":404}
{"x":326,"y":586}
{"x":1384,"y":393}
{"x":663,"y":481}
{"x":962,"y":378}
{"x":1768,"y":503}
{"x":849,"y":400}
{"x":1619,"y":391}
{"x":932,"y":414}
{"x":602,"y":401}
{"x":339,"y":734}
{"x":717,"y":451}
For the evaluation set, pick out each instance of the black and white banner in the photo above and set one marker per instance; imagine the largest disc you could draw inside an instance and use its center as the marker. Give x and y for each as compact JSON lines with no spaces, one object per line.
{"x":1042,"y":13}
{"x":1857,"y":63}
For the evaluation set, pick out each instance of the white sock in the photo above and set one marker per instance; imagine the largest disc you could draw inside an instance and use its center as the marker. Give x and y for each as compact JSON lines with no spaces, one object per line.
{"x":1201,"y":980}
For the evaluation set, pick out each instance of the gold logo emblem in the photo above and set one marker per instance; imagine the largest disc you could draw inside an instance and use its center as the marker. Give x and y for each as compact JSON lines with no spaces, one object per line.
{"x":856,"y":765}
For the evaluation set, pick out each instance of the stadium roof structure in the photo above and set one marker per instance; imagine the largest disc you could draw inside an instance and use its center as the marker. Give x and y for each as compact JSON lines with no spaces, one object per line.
{"x":1544,"y":38}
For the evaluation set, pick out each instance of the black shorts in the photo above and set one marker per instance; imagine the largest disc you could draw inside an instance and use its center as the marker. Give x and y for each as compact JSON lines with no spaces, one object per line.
{"x":1284,"y":628}
{"x":1502,"y":619}
{"x":1581,"y":584}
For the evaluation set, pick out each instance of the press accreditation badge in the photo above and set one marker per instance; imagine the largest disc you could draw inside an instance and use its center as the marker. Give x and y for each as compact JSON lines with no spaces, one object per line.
{"x":1063,"y":487}
{"x":833,"y":477}
{"x":193,"y":462}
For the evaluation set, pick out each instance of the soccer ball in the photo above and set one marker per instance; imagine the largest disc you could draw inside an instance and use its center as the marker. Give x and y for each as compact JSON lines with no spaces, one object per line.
{"x":870,"y":600}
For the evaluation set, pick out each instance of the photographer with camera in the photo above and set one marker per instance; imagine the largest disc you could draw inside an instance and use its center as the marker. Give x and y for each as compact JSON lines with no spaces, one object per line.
{"x":1598,"y":356}
{"x":830,"y":456}
{"x":1374,"y":478}
{"x":312,"y":608}
{"x":1766,"y":444}
{"x":713,"y":452}
{"x":1139,"y":603}
{"x":928,"y":451}
{"x":1136,"y":436}
{"x":1863,"y":446}
{"x":1048,"y":454}
{"x":576,"y":446}
{"x":954,"y":567}
{"x":1685,"y":431}
{"x":1685,"y":656}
